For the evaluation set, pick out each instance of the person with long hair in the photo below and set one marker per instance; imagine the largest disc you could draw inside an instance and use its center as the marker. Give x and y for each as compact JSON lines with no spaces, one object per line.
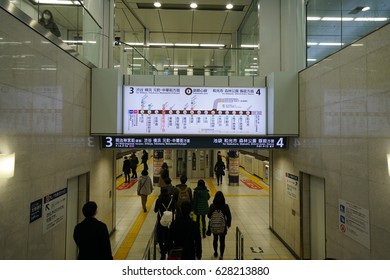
{"x":164,"y":173}
{"x":201,"y":204}
{"x":47,"y":21}
{"x":216,"y":208}
{"x":219,"y":169}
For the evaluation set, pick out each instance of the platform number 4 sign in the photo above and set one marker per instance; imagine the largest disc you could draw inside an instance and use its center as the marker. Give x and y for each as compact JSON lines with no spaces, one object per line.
{"x":280,"y":142}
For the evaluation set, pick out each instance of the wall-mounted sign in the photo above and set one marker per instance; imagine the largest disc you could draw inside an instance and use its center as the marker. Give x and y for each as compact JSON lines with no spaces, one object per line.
{"x":292,"y":185}
{"x":194,"y":142}
{"x":198,"y":111}
{"x":54,"y":209}
{"x":35,"y":210}
{"x":354,"y":222}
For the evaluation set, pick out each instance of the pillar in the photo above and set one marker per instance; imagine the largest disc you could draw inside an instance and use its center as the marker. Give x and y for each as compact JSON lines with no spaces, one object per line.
{"x":233,"y":164}
{"x":158,"y":159}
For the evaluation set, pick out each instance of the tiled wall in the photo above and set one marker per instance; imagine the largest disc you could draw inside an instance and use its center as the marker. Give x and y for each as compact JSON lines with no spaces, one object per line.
{"x":345,"y":139}
{"x":45,"y":120}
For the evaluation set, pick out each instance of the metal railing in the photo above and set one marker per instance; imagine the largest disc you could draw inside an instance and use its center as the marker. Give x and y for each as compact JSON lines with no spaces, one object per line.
{"x":150,"y":251}
{"x":239,"y":244}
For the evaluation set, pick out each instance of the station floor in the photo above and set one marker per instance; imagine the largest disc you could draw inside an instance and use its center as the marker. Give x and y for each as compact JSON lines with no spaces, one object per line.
{"x":249,"y":205}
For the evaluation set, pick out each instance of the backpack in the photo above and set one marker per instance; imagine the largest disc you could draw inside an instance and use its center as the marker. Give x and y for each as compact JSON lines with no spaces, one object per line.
{"x":167,"y":216}
{"x":217,"y":222}
{"x":183,"y":195}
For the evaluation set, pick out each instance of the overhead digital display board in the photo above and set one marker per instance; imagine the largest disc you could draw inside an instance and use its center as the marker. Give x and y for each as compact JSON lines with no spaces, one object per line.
{"x":184,"y":142}
{"x":162,"y":110}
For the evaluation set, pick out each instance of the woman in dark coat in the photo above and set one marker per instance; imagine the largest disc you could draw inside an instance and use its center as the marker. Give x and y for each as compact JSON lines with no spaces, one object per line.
{"x":48,"y":22}
{"x":164,"y":202}
{"x":220,"y":204}
{"x":185,"y":235}
{"x":201,"y":204}
{"x":164,"y":174}
{"x":219,"y":169}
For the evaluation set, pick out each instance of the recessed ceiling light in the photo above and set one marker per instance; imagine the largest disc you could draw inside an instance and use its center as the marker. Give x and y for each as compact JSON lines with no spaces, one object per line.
{"x":229,"y":6}
{"x":157,"y":4}
{"x":194,"y":5}
{"x":365,"y":8}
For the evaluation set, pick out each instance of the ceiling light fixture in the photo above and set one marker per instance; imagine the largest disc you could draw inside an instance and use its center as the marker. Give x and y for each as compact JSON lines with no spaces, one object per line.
{"x":157,"y":4}
{"x":371,"y":19}
{"x":366,"y":8}
{"x":160,"y":44}
{"x":337,"y":19}
{"x":57,"y":2}
{"x":212,"y":45}
{"x":186,"y":45}
{"x":229,"y":6}
{"x":193,"y":5}
{"x":313,"y":18}
{"x":249,"y":46}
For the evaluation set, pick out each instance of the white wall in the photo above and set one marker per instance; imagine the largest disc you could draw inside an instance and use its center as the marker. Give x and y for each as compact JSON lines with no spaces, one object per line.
{"x":345,"y":139}
{"x":45,"y":120}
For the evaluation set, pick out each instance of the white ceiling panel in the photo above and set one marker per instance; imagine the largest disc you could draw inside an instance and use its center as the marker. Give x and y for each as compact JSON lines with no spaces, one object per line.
{"x":176,"y":21}
{"x":203,"y":24}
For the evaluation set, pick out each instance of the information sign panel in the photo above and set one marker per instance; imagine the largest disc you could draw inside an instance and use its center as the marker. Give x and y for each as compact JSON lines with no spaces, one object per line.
{"x":185,"y":142}
{"x":154,"y":110}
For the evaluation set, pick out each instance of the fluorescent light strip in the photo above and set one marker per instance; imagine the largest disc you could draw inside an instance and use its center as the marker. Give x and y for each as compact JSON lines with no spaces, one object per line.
{"x":79,"y":41}
{"x":186,"y":45}
{"x":249,"y":46}
{"x":337,"y":19}
{"x":160,"y":44}
{"x":57,"y":2}
{"x":331,"y":44}
{"x":312,"y":43}
{"x":175,"y":65}
{"x":313,"y":18}
{"x":371,"y":19}
{"x":134,"y":43}
{"x":211,"y":45}
{"x":311,"y":59}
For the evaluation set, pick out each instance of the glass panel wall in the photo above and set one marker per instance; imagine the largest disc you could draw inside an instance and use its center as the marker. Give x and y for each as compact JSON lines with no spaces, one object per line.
{"x":248,"y":37}
{"x":335,"y":24}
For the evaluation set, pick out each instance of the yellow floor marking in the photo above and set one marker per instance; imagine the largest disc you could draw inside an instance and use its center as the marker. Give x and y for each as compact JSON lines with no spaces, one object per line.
{"x":212,"y":188}
{"x":128,"y":242}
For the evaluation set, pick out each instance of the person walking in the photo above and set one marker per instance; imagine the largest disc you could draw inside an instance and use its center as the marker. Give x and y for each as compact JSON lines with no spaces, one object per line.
{"x":220,"y":220}
{"x":219,"y":169}
{"x":182,"y":193}
{"x":144,"y":159}
{"x":133,"y":165}
{"x":164,"y":202}
{"x":185,"y":237}
{"x":201,"y":205}
{"x":126,"y":169}
{"x":145,"y":188}
{"x":164,"y":173}
{"x":91,"y":236}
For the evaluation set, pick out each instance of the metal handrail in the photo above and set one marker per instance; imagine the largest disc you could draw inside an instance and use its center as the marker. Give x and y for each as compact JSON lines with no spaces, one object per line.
{"x":239,"y":244}
{"x":151,"y":246}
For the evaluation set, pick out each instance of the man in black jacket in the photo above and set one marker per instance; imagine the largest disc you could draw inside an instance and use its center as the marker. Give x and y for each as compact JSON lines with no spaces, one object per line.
{"x":91,"y":236}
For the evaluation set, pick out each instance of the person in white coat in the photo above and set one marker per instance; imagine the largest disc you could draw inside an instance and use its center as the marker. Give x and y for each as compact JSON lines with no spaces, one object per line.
{"x":145,"y":188}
